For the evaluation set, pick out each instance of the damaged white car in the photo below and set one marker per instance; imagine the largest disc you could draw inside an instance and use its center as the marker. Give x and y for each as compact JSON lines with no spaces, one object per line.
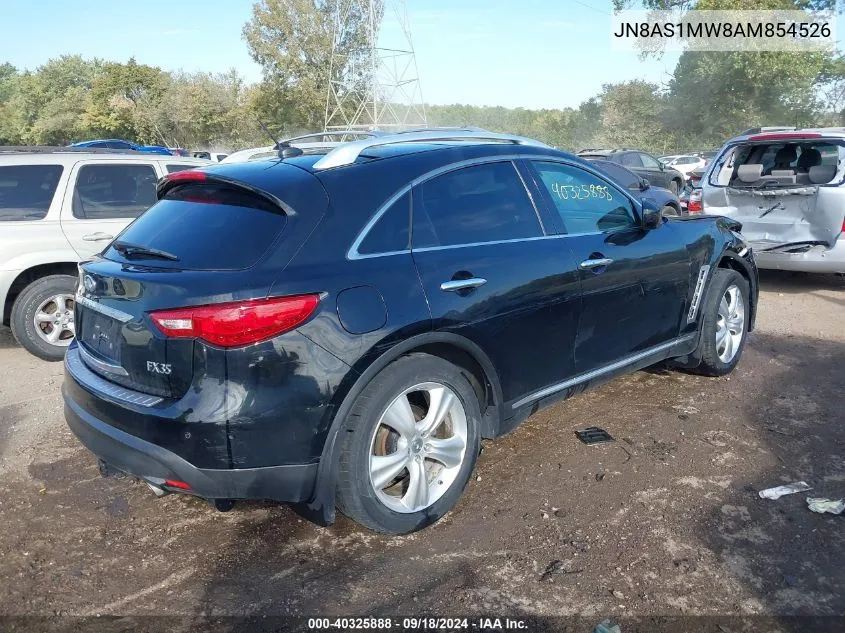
{"x":786,"y":188}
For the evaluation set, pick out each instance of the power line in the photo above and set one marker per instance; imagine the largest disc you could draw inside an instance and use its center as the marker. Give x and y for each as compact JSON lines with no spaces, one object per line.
{"x":584,"y":4}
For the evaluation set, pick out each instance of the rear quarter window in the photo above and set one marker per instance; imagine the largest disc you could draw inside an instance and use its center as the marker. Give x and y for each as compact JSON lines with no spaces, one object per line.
{"x":208,"y":227}
{"x":391,"y":232}
{"x":26,"y":191}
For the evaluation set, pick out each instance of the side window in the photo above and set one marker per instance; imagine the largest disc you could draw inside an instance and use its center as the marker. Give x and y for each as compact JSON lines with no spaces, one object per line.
{"x":392,"y":231}
{"x":631,"y":160}
{"x":114,"y":191}
{"x":586,"y":203}
{"x":171,"y":168}
{"x":649,"y":162}
{"x":482,"y":203}
{"x":26,"y":191}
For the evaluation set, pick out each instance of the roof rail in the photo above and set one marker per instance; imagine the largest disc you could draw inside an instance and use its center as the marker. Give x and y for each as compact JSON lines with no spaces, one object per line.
{"x":444,"y":129}
{"x":347,"y":153}
{"x":341,"y":133}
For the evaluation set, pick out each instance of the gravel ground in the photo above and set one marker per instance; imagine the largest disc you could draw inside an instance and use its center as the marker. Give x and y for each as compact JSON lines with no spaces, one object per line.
{"x":665,"y":521}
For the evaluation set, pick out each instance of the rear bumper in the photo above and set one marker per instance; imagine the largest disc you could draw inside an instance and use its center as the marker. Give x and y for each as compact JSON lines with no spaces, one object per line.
{"x":814,"y":260}
{"x":292,"y":483}
{"x":154,"y":463}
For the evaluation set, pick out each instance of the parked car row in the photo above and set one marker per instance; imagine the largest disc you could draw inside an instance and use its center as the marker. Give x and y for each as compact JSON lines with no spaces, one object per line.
{"x":129,"y":146}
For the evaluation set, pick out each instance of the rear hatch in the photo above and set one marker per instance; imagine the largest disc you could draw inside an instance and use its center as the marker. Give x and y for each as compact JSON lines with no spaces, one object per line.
{"x":785,"y":189}
{"x":211,"y":239}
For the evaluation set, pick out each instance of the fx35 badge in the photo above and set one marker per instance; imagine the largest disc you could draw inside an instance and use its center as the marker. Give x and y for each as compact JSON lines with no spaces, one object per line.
{"x":158,"y":368}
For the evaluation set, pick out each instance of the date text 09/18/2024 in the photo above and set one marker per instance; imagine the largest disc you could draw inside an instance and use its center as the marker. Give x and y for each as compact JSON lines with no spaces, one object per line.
{"x":418,"y":624}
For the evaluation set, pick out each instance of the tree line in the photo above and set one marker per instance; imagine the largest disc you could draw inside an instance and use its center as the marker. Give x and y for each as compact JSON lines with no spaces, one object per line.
{"x":709,"y":97}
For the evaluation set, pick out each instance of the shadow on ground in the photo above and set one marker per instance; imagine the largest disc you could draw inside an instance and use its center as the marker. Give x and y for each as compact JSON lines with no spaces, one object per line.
{"x":799,"y":283}
{"x":7,"y":341}
{"x":790,"y":558}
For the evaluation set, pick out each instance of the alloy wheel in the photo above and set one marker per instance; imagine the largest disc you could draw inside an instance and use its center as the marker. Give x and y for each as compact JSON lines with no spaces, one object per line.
{"x":418,"y":447}
{"x":54,"y":320}
{"x":730,"y":324}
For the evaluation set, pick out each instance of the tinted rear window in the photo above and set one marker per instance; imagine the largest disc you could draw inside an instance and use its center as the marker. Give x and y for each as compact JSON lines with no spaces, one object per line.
{"x":207,"y":227}
{"x":26,"y":191}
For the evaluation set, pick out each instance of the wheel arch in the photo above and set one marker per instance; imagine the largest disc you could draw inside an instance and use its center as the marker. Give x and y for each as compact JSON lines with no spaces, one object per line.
{"x":458,"y":350}
{"x":31,"y":274}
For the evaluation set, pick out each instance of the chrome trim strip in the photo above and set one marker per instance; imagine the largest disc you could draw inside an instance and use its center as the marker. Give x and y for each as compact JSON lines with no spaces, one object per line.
{"x":109,"y":368}
{"x":102,"y":387}
{"x":462,"y":284}
{"x":698,"y":292}
{"x":123,"y":317}
{"x":595,"y":373}
{"x":347,"y":153}
{"x":353,"y":254}
{"x":425,"y":249}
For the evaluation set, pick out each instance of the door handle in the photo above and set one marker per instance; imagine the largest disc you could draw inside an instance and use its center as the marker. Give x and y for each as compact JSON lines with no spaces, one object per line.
{"x":462,"y":284}
{"x":99,"y":236}
{"x":595,"y":263}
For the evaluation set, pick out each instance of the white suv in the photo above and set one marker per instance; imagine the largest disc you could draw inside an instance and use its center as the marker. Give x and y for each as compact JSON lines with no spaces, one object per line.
{"x":58,"y":207}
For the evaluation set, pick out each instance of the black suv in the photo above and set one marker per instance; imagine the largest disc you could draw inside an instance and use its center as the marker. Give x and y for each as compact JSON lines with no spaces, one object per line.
{"x":346,"y":327}
{"x":642,"y":164}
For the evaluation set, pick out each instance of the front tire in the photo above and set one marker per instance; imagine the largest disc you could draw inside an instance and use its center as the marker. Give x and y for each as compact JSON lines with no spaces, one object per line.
{"x":410,"y":444}
{"x":725,"y":316}
{"x":42,"y":316}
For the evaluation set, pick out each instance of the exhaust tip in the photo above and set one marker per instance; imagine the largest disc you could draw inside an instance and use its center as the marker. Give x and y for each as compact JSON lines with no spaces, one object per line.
{"x":157,"y":490}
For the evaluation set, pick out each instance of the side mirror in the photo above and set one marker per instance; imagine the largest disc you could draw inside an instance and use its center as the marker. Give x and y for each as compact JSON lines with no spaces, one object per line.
{"x":644,"y":184}
{"x":652,"y":214}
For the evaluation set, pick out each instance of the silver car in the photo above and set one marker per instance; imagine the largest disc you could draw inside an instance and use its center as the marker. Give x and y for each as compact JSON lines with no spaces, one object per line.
{"x":787,"y":188}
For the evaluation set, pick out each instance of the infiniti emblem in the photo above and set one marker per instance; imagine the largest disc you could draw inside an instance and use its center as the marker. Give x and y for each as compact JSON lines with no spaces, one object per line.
{"x":89,"y":283}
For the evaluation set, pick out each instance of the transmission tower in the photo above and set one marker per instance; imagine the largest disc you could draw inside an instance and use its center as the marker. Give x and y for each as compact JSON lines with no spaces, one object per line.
{"x":380,"y":90}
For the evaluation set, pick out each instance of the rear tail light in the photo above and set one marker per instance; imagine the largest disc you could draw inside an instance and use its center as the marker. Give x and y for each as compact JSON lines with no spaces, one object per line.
{"x":783,"y":136}
{"x":694,"y":205}
{"x":239,"y":323}
{"x":187,"y":175}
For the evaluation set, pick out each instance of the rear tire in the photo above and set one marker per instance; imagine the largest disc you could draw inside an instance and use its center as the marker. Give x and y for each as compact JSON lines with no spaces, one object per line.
{"x":49,"y":302}
{"x":674,"y":187}
{"x":724,"y":325}
{"x":670,"y":211}
{"x":399,"y":481}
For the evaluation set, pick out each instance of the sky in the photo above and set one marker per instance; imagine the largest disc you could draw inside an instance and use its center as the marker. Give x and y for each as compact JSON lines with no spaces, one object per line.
{"x":513,"y":53}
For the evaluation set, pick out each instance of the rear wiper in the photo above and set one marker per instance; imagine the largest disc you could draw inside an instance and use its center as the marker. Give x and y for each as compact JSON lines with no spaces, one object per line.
{"x":128,"y":250}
